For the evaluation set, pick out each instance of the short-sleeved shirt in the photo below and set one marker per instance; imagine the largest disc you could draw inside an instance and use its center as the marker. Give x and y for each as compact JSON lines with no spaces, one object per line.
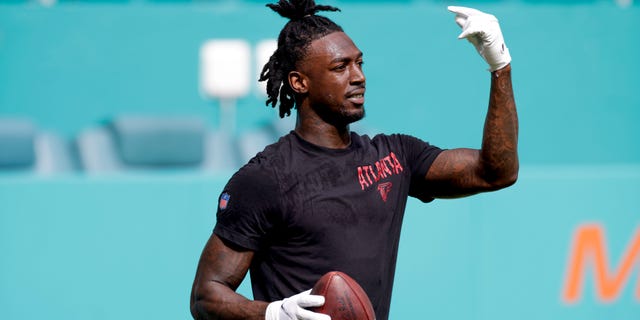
{"x":306,"y":210}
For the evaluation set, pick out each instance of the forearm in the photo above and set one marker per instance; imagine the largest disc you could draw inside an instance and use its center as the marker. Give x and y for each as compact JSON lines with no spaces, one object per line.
{"x":499,"y":151}
{"x":221,"y":303}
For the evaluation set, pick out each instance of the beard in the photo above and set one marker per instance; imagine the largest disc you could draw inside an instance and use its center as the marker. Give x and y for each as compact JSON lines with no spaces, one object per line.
{"x":342,"y":117}
{"x":351,"y":117}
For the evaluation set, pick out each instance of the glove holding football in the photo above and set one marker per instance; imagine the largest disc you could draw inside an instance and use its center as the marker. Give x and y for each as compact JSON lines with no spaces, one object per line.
{"x":293,"y":308}
{"x":483,"y":31}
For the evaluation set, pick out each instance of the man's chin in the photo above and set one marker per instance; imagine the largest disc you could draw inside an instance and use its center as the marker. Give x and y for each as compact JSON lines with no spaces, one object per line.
{"x":353,"y":116}
{"x":343,"y":117}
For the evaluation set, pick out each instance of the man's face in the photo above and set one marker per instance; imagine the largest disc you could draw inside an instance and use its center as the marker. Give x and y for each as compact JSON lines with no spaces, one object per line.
{"x":336,"y":82}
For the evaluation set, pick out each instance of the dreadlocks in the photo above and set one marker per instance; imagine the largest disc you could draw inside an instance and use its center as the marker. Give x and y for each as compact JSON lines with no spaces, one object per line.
{"x":303,"y":27}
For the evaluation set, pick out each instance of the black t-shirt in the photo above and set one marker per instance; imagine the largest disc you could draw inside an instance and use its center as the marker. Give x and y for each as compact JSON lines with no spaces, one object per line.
{"x":306,"y":210}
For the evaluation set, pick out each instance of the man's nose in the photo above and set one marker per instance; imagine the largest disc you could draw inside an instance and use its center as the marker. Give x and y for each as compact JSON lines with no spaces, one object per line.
{"x":357,"y":75}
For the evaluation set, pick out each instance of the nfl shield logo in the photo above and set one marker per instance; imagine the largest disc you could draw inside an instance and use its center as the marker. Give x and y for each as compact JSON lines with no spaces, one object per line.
{"x":224,"y":200}
{"x":384,"y":189}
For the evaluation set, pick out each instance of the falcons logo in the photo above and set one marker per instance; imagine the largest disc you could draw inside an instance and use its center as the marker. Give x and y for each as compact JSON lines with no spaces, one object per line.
{"x":384,"y":189}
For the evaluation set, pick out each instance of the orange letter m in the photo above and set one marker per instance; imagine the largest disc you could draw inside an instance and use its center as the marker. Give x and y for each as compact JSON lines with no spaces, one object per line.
{"x":589,"y":247}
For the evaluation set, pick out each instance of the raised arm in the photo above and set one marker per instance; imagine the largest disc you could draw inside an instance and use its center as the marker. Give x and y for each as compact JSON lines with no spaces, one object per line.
{"x":463,"y":172}
{"x":220,"y":271}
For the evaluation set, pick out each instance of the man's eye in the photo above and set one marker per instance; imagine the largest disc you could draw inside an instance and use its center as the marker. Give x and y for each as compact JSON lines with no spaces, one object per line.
{"x":339,"y":67}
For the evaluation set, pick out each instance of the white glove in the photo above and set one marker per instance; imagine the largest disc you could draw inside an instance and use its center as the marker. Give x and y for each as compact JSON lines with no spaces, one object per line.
{"x":293,"y":308}
{"x":483,"y":31}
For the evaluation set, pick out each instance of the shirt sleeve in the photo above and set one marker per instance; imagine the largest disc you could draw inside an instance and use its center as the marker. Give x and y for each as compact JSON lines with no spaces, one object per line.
{"x":248,"y":208}
{"x":420,"y":156}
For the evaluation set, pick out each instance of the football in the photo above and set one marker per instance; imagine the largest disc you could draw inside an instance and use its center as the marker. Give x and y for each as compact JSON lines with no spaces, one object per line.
{"x":344,"y":299}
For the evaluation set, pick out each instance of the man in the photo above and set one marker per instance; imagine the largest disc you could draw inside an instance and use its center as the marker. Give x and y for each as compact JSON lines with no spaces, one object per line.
{"x":323,"y":198}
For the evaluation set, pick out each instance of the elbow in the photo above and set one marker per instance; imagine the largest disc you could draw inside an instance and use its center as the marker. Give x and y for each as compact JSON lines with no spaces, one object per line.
{"x":194,"y":313}
{"x":503,"y":180}
{"x":198,"y":310}
{"x":207,"y":303}
{"x":508,"y":181}
{"x":198,"y":307}
{"x":193,"y":307}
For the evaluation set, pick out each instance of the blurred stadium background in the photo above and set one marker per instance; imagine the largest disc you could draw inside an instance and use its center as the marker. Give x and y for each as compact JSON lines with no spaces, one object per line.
{"x":116,"y":137}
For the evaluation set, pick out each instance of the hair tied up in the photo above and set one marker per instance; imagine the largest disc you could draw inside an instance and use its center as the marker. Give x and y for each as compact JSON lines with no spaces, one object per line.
{"x":298,"y":9}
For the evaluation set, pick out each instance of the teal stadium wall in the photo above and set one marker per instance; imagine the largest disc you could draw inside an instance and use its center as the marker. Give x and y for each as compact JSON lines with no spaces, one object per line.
{"x":125,"y":246}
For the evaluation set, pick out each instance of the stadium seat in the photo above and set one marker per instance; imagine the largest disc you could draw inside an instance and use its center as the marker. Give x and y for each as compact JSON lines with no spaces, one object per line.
{"x":17,"y":138}
{"x":148,"y":142}
{"x":26,"y":148}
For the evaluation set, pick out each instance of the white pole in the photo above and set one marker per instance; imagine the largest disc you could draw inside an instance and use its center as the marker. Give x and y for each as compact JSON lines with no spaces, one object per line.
{"x":228,"y":115}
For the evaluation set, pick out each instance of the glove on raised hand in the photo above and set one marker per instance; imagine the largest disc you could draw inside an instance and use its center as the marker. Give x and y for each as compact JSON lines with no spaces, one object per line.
{"x":293,"y":308}
{"x":483,"y":31}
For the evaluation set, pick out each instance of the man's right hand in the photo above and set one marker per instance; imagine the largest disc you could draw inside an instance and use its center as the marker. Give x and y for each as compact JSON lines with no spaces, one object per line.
{"x":483,"y":31}
{"x":293,"y":308}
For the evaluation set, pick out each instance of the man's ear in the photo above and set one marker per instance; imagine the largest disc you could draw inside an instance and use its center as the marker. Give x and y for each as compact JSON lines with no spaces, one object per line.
{"x":298,"y":82}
